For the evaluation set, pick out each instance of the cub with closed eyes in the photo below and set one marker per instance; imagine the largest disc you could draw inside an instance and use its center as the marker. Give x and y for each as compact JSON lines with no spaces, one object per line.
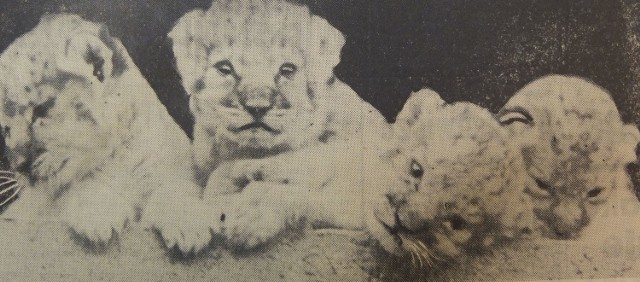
{"x":575,"y":149}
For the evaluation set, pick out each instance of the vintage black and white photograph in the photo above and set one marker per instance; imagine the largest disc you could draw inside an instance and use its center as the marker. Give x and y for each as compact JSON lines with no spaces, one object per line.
{"x":319,"y":140}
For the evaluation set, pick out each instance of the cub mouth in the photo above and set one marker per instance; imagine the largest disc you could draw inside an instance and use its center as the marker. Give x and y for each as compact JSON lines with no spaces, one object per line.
{"x":399,"y":232}
{"x":256,"y":125}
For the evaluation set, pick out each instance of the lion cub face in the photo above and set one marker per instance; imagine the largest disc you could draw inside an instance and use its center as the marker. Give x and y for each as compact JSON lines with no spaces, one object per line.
{"x":61,"y":120}
{"x":254,"y":96}
{"x":460,"y":182}
{"x":574,"y":146}
{"x":256,"y":71}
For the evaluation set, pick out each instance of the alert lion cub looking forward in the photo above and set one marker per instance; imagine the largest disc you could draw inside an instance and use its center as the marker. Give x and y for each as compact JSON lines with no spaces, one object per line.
{"x":259,"y":75}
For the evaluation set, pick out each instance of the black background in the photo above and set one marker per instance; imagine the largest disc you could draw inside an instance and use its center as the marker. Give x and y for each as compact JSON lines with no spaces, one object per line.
{"x":475,"y":50}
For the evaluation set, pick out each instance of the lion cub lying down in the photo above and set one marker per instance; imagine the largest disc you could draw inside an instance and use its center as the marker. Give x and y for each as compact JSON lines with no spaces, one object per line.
{"x":575,"y":150}
{"x":259,"y":75}
{"x":83,"y":125}
{"x":461,"y":187}
{"x":448,"y":186}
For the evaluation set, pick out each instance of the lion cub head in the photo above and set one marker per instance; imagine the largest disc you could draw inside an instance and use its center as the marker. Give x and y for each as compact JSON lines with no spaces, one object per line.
{"x":575,"y":149}
{"x":64,"y":88}
{"x":255,"y":72}
{"x":458,"y":185}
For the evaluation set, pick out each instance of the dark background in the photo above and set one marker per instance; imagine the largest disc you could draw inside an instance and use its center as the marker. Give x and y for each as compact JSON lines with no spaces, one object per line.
{"x":475,"y":50}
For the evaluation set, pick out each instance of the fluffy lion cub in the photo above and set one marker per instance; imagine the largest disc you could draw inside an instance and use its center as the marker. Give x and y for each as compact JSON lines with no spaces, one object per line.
{"x":575,"y":149}
{"x":461,"y":183}
{"x":84,"y":126}
{"x":259,"y":75}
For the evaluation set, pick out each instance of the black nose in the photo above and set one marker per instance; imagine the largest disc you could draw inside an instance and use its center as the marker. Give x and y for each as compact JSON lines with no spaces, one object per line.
{"x":257,"y":112}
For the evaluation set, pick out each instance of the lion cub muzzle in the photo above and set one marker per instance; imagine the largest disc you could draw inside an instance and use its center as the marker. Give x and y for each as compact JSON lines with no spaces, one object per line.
{"x":260,"y":103}
{"x":257,"y":101}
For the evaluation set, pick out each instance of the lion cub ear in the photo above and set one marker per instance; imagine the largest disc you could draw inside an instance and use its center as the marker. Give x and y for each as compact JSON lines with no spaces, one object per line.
{"x":190,"y":54}
{"x":87,"y":56}
{"x":324,"y":47}
{"x":418,"y":103}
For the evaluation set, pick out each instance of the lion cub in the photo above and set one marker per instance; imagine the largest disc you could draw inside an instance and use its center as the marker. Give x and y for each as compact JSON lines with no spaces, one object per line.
{"x":259,"y":75}
{"x":461,"y":183}
{"x":575,"y":149}
{"x":84,"y":126}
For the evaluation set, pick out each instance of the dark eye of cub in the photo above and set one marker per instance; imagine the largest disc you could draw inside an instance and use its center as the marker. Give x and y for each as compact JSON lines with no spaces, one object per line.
{"x":98,"y":70}
{"x":288,"y":70}
{"x":224,"y":67}
{"x":542,"y":185}
{"x":98,"y":65}
{"x":415,"y":169}
{"x":594,"y":192}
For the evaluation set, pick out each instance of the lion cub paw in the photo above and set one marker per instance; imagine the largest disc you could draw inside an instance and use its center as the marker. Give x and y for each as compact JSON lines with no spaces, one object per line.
{"x":255,"y":228}
{"x":256,"y":219}
{"x":185,"y":234}
{"x":97,"y":217}
{"x":184,"y":223}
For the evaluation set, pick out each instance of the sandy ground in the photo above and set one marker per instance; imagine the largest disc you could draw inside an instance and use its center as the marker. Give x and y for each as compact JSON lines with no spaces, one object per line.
{"x":39,"y":251}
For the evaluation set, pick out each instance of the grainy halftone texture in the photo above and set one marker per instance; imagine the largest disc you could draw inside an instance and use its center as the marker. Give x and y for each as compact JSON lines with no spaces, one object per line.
{"x":481,"y":51}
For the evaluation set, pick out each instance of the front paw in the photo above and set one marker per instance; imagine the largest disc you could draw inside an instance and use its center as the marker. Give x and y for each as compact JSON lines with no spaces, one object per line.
{"x":254,"y":227}
{"x":184,"y":223}
{"x":97,"y":218}
{"x":256,"y":218}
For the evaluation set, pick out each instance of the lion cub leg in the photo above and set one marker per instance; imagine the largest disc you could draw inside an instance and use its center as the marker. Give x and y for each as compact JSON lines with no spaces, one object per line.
{"x":221,"y":182}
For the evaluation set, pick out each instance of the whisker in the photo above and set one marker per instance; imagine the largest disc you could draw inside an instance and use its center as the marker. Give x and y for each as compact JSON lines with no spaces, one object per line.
{"x":6,"y":173}
{"x":426,"y":253}
{"x":12,"y":187}
{"x":11,"y":197}
{"x":420,"y":259}
{"x":413,"y":255}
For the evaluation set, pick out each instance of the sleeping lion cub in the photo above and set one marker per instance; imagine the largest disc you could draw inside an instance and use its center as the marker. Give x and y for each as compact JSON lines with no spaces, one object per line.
{"x":85,"y":128}
{"x":575,"y":149}
{"x":259,"y":75}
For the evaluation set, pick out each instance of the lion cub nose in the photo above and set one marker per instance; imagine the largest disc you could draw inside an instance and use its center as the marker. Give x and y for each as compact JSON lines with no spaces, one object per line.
{"x":257,"y":102}
{"x":257,"y":112}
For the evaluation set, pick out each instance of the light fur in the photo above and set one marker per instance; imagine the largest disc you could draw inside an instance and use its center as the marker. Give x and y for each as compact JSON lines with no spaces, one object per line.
{"x":86,"y":128}
{"x":239,"y":58}
{"x":575,"y":148}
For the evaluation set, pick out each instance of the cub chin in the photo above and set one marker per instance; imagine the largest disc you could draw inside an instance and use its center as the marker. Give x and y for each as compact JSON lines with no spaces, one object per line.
{"x":460,"y":184}
{"x":575,"y":149}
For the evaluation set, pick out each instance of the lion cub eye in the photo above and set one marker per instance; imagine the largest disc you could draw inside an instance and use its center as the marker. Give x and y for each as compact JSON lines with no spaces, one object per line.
{"x":520,"y":115}
{"x":415,"y":169}
{"x":543,"y":185}
{"x":98,"y":70}
{"x":224,"y":67}
{"x":288,"y":70}
{"x":595,"y":192}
